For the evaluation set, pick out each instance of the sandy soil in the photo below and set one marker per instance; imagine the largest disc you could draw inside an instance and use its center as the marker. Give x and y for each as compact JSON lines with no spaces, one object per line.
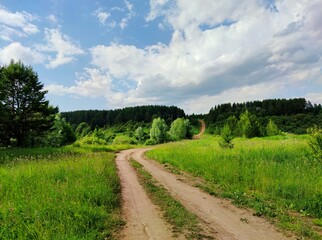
{"x":143,"y":220}
{"x":226,"y":220}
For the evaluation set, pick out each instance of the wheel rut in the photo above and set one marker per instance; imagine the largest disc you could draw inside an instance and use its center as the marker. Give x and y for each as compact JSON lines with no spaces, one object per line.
{"x":143,"y":219}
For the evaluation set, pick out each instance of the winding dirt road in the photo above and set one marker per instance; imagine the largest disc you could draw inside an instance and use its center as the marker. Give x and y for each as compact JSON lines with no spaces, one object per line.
{"x":219,"y":216}
{"x":202,"y":129}
{"x":143,"y":219}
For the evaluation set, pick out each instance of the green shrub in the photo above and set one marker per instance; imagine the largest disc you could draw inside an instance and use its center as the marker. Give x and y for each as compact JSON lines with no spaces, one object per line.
{"x":226,"y":137}
{"x":271,"y":128}
{"x":123,"y":139}
{"x":315,"y":142}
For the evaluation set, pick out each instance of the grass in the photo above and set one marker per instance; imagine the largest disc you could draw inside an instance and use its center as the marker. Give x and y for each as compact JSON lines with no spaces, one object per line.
{"x":174,"y":213}
{"x":58,"y":194}
{"x":276,"y":176}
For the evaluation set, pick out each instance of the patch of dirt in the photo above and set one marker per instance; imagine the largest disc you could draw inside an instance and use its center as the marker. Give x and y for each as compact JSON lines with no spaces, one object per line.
{"x":224,"y":219}
{"x":143,"y":219}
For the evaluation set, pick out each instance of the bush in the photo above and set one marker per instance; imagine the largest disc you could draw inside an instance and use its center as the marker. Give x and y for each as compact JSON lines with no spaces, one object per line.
{"x":315,"y":142}
{"x":179,"y":129}
{"x":226,"y":137}
{"x":271,"y":128}
{"x":123,"y":139}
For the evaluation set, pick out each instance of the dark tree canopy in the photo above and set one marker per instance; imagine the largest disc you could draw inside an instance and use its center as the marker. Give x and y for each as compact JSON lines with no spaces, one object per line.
{"x":25,"y":113}
{"x":290,"y":115}
{"x":101,"y":118}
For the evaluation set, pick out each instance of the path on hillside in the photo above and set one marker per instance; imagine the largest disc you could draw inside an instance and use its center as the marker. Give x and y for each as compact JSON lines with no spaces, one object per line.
{"x":202,"y":129}
{"x":225,"y":220}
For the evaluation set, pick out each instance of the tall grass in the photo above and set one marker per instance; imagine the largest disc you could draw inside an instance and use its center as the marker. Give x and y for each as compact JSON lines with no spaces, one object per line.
{"x":270,"y":174}
{"x":69,"y":196}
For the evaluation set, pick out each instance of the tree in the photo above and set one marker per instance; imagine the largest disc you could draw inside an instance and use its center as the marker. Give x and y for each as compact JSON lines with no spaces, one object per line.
{"x":271,"y":128}
{"x":248,"y":125}
{"x":158,"y":131}
{"x":226,"y":137}
{"x":232,"y":122}
{"x":139,"y":133}
{"x":315,"y":142}
{"x":82,"y":130}
{"x":61,"y":133}
{"x":179,"y":129}
{"x":26,"y":115}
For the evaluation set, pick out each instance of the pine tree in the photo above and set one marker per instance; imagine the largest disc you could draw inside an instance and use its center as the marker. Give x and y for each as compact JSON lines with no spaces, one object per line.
{"x":26,"y":115}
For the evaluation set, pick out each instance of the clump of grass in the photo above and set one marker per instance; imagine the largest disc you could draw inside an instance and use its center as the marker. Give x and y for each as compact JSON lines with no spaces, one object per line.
{"x":72,"y":196}
{"x":182,"y":220}
{"x":273,"y":175}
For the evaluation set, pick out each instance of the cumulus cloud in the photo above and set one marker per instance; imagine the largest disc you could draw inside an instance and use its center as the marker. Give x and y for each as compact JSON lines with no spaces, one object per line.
{"x":17,"y":51}
{"x":91,"y":83}
{"x":61,"y":45}
{"x":218,"y":51}
{"x":16,"y":24}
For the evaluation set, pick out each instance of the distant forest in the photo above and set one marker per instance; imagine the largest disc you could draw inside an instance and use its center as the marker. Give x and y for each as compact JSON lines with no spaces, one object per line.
{"x":144,"y":114}
{"x":290,"y":115}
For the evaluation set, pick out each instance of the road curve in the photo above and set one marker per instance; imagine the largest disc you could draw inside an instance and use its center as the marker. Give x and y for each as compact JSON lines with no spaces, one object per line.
{"x":202,"y":129}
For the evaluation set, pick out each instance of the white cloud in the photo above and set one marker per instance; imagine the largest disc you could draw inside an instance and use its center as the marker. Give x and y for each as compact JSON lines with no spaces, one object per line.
{"x":16,"y":24}
{"x":52,"y":19}
{"x":218,"y":51}
{"x":92,"y":83}
{"x":315,"y":97}
{"x":17,"y":51}
{"x":131,"y":13}
{"x":102,"y":16}
{"x":62,"y":45}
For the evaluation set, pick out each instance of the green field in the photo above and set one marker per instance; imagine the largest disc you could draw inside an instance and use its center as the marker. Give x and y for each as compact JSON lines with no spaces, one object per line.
{"x":58,"y":194}
{"x":276,"y":176}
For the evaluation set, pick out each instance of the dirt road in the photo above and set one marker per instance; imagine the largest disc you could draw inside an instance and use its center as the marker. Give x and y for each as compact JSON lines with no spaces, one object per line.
{"x":142,"y":218}
{"x":202,"y":129}
{"x":225,"y":220}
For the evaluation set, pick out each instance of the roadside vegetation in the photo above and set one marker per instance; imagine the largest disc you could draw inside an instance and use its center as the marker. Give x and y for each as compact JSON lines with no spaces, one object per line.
{"x":58,"y":194}
{"x":277,"y":176}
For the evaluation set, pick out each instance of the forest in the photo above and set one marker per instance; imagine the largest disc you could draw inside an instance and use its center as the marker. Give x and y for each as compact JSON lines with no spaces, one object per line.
{"x":291,"y":115}
{"x":143,"y":114}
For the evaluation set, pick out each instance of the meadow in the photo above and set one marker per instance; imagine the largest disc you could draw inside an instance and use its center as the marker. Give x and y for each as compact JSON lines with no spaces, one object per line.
{"x":276,"y":176}
{"x":58,"y":193}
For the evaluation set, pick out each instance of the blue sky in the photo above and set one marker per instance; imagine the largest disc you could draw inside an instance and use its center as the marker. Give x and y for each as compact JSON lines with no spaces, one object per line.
{"x":108,"y":54}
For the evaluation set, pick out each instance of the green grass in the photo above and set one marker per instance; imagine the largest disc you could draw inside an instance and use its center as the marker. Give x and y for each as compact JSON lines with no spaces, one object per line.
{"x":58,"y":194}
{"x":174,"y":213}
{"x":274,"y":175}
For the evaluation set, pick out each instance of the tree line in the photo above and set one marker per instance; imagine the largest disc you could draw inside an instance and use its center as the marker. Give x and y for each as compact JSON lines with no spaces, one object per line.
{"x":291,"y":115}
{"x":102,"y":118}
